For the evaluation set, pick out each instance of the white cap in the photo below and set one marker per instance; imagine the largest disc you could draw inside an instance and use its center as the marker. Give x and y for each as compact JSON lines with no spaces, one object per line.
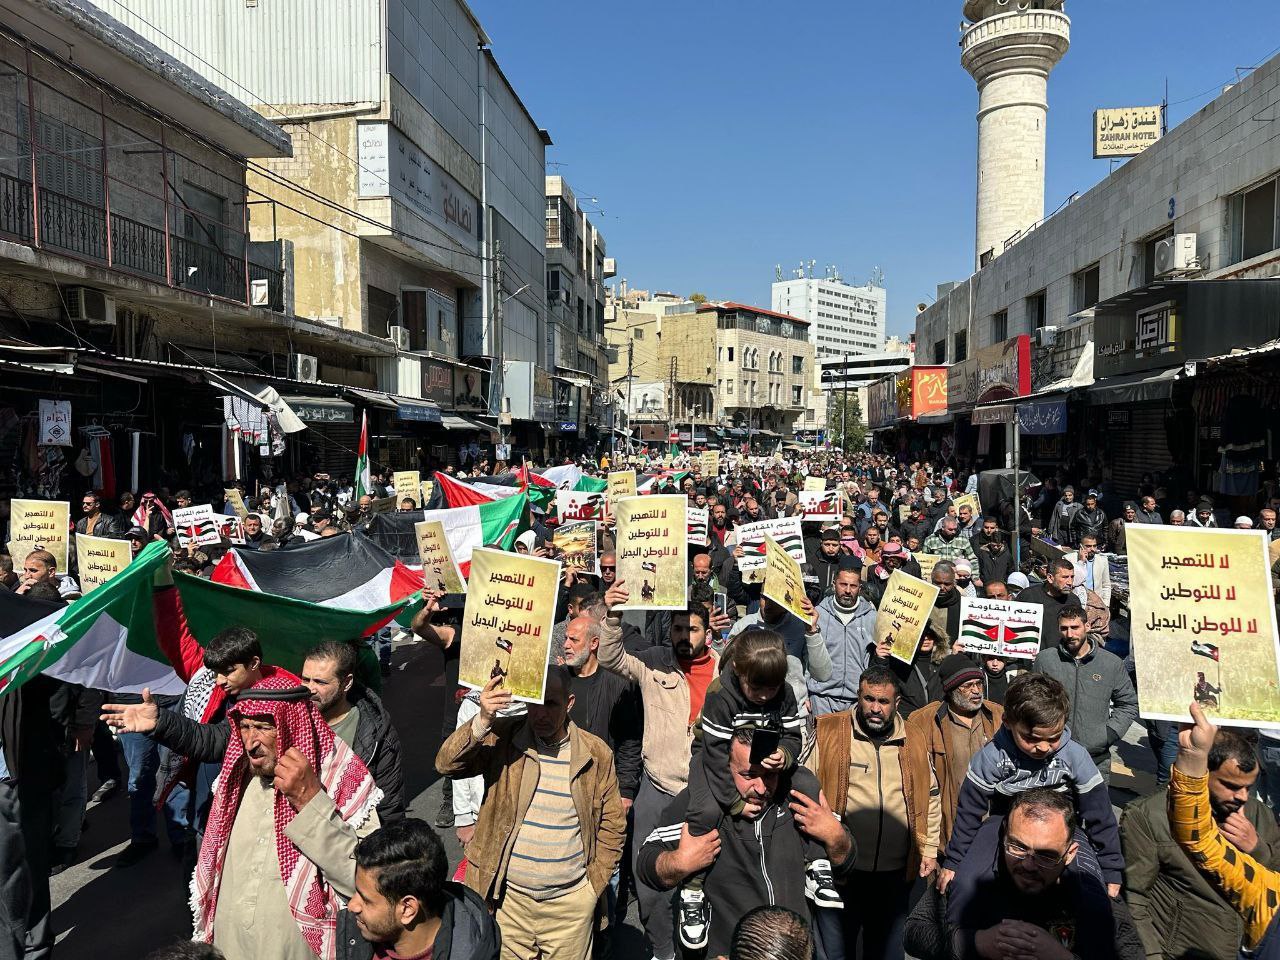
{"x":1017,"y":579}
{"x":1244,"y":523}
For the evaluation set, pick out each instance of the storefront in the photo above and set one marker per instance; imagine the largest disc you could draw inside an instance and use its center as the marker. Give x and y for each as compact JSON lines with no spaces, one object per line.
{"x":996,"y":373}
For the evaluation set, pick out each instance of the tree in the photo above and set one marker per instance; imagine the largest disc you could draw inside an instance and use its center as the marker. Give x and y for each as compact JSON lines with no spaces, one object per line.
{"x":697,"y":297}
{"x":849,"y":433}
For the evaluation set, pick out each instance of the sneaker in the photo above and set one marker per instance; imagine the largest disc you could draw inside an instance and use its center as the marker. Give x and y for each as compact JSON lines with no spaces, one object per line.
{"x":820,"y":887}
{"x":135,"y":851}
{"x":695,"y":919}
{"x":106,"y":791}
{"x":63,"y":857}
{"x":444,"y":816}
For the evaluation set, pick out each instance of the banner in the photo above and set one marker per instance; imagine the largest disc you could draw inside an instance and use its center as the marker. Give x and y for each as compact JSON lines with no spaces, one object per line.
{"x":55,"y":423}
{"x":967,"y":500}
{"x":577,"y":545}
{"x":439,"y":568}
{"x":699,"y":526}
{"x":506,"y":624}
{"x":904,"y":611}
{"x":904,"y":511}
{"x":572,"y":505}
{"x":927,"y":562}
{"x":408,"y":484}
{"x":39,"y":525}
{"x":100,"y":559}
{"x":235,"y":502}
{"x":710,"y":463}
{"x":232,"y":528}
{"x":820,"y":504}
{"x":783,"y":581}
{"x":621,"y":483}
{"x":653,"y":551}
{"x":1000,"y":628}
{"x":1203,"y":624}
{"x":815,"y":483}
{"x":196,"y":526}
{"x":750,"y":537}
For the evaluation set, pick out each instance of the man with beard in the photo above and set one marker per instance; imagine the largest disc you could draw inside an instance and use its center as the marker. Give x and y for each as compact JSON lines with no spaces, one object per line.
{"x":825,"y":561}
{"x":947,"y":542}
{"x":995,"y":561}
{"x":893,"y":556}
{"x":1089,"y":519}
{"x":404,"y":905}
{"x":1094,"y":569}
{"x":947,"y":606}
{"x":890,"y":806}
{"x":1054,"y":594}
{"x":946,"y":735}
{"x":1064,"y":512}
{"x":846,"y":622}
{"x":917,"y":524}
{"x":1177,"y":911}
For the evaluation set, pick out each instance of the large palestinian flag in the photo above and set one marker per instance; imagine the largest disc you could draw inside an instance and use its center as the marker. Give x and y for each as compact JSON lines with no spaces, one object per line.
{"x":451,"y":492}
{"x":497,"y":523}
{"x":107,"y":640}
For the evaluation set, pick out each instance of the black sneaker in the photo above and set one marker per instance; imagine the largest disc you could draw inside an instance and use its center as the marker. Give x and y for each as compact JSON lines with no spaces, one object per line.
{"x":695,"y":919}
{"x":444,"y":816}
{"x":820,"y":887}
{"x":136,"y":851}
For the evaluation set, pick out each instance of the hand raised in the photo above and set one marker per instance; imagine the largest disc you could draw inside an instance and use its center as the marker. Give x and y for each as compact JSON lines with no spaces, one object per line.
{"x":132,"y":717}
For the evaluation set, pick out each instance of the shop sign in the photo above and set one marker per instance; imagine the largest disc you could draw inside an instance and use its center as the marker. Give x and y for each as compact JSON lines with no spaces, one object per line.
{"x":993,"y":415}
{"x":1125,"y":131}
{"x":470,"y":390}
{"x":992,"y":373}
{"x":568,"y":426}
{"x":318,"y":411}
{"x":882,"y":402}
{"x":417,"y":412}
{"x":1156,"y":330}
{"x":928,"y":391}
{"x":1044,"y":419}
{"x":437,"y":382}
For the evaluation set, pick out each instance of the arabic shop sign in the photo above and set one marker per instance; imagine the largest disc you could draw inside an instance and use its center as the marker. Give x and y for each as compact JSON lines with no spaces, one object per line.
{"x":993,"y":373}
{"x":993,"y":415}
{"x":927,"y":391}
{"x":882,"y":402}
{"x":1125,"y":132}
{"x":1045,"y":419}
{"x":321,"y":411}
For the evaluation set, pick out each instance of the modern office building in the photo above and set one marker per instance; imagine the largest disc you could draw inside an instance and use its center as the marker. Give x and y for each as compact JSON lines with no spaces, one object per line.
{"x":843,"y":318}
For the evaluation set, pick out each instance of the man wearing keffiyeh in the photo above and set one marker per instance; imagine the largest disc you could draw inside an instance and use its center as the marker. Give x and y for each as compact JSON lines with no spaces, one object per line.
{"x":289,"y":805}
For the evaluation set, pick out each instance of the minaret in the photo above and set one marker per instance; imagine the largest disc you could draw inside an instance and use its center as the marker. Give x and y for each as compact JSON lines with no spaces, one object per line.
{"x":1009,"y":47}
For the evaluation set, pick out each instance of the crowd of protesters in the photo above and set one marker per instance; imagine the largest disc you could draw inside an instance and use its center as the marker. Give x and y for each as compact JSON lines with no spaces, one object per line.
{"x":759,"y":784}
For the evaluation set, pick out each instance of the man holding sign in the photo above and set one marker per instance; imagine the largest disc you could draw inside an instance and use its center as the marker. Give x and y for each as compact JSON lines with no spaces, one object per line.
{"x":903,"y":624}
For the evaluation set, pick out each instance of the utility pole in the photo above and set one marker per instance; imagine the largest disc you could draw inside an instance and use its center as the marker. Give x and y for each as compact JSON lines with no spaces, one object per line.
{"x":844,"y":414}
{"x":671,"y":405}
{"x":495,"y":364}
{"x":631,"y":344}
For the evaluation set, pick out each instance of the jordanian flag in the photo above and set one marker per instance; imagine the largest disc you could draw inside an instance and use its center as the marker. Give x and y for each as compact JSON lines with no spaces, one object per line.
{"x":495,"y":524}
{"x":364,"y":482}
{"x":107,"y":640}
{"x":976,"y":629}
{"x":1204,"y":650}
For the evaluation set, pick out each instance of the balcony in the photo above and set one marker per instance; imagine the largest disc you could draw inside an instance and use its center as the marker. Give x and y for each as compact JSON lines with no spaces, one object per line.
{"x":1030,"y":41}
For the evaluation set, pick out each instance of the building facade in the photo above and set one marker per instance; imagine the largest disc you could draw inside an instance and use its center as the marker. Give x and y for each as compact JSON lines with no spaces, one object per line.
{"x":843,"y":318}
{"x":834,"y":376}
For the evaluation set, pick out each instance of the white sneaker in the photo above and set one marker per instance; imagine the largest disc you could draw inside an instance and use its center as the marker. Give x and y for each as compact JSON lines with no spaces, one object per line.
{"x":820,"y":887}
{"x":695,"y":919}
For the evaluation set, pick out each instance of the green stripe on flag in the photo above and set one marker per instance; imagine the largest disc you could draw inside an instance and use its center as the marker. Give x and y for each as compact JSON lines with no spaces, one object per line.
{"x":503,"y":520}
{"x":591,"y":485}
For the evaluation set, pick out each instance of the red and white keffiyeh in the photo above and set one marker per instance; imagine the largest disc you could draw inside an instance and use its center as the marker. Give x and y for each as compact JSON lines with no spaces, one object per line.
{"x":343,"y":776}
{"x":143,"y":512}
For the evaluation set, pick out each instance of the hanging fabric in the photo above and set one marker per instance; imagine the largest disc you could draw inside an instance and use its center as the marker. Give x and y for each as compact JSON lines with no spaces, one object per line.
{"x":135,"y":451}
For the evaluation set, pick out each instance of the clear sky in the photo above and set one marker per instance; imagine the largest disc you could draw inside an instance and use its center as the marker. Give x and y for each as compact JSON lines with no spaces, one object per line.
{"x":722,"y":137}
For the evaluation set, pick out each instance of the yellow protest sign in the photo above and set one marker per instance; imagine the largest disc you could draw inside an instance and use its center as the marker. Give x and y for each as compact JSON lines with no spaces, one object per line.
{"x":439,"y":569}
{"x":98,"y":559}
{"x":927,"y":562}
{"x":969,"y":500}
{"x":506,"y":624}
{"x":39,"y":525}
{"x":622,"y":483}
{"x":235,"y":501}
{"x":815,"y":483}
{"x":653,"y":551}
{"x":710,"y":463}
{"x":783,"y":581}
{"x":427,"y":487}
{"x":1203,"y":624}
{"x":408,"y":487}
{"x":904,"y":611}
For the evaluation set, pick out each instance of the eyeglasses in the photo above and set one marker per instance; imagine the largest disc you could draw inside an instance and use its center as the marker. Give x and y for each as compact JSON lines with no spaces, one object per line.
{"x":1040,"y":858}
{"x":604,"y":567}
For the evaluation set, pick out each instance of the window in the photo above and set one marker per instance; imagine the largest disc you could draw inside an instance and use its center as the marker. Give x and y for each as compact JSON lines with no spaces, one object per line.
{"x":1087,"y":287}
{"x":728,"y":387}
{"x":940,"y":352}
{"x":1253,"y":222}
{"x":383,"y":308}
{"x":413,"y":315}
{"x":731,"y":361}
{"x":1000,"y":326}
{"x":1037,"y":310}
{"x":961,"y":352}
{"x":797,"y":364}
{"x":796,"y":397}
{"x":637,"y":333}
{"x":1149,"y":251}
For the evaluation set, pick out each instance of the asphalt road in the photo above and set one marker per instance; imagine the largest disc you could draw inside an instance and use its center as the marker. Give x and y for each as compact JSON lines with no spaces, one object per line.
{"x":123,"y":914}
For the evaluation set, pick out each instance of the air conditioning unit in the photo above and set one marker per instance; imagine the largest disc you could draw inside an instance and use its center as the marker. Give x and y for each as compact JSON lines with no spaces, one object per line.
{"x":1176,"y":254}
{"x":399,"y":336}
{"x":1046,"y":336}
{"x":90,"y":306}
{"x":304,"y":367}
{"x":259,"y":293}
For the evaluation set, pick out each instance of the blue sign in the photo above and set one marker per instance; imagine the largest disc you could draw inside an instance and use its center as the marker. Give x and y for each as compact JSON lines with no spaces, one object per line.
{"x":417,"y":412}
{"x":1044,"y":419}
{"x":568,"y":426}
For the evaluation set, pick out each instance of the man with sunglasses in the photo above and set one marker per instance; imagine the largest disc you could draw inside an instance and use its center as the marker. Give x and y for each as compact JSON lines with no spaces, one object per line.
{"x":96,"y":523}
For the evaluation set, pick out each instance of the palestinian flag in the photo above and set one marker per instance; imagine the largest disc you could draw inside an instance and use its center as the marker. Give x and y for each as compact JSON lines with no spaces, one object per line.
{"x":348,"y":571}
{"x":364,"y":482}
{"x":793,"y":543}
{"x":481,"y":525}
{"x":452,"y":492}
{"x":564,"y":477}
{"x":107,"y":640}
{"x":651,"y":481}
{"x":587,"y":484}
{"x":1204,"y":650}
{"x":975,"y":628}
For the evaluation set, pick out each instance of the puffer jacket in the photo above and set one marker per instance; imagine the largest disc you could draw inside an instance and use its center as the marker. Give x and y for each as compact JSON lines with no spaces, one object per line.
{"x":378,"y":745}
{"x":851,"y":647}
{"x":1088,"y":521}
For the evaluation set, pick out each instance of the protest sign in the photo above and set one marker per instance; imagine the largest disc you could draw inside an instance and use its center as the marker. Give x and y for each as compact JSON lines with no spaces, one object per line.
{"x":1203,"y":624}
{"x":506,"y":624}
{"x":815,"y":483}
{"x":577,"y":545}
{"x":55,"y":423}
{"x":750,"y":537}
{"x":820,"y":504}
{"x":653,"y":551}
{"x":783,"y":581}
{"x":1000,"y":628}
{"x":232,"y":528}
{"x":196,"y":526}
{"x":622,"y":483}
{"x":99,"y":559}
{"x":426,"y":488}
{"x":39,"y":525}
{"x":408,"y":487}
{"x":439,"y":569}
{"x":573,"y":505}
{"x":903,"y":614}
{"x":927,"y":562}
{"x":969,"y":500}
{"x":235,"y":502}
{"x":710,"y":463}
{"x":904,"y":511}
{"x":384,"y":505}
{"x":699,"y":526}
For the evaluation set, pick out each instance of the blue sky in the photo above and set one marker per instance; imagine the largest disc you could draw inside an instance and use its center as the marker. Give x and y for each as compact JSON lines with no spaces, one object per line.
{"x":722,"y":137}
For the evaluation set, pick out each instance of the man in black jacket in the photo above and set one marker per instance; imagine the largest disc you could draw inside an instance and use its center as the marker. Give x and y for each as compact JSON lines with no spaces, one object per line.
{"x":95,"y":522}
{"x":995,"y":561}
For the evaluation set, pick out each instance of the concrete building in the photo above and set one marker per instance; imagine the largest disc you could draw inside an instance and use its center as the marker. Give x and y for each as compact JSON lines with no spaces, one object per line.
{"x":843,"y":318}
{"x":1009,"y":50}
{"x":414,"y":196}
{"x":833,"y":375}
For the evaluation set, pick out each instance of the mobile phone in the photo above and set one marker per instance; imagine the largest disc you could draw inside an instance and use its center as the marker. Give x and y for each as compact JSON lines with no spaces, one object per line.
{"x":722,"y":603}
{"x":763,"y":743}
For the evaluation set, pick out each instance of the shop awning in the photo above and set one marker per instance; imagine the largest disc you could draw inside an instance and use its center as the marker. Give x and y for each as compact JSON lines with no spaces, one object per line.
{"x":322,"y":409}
{"x":935,"y":418}
{"x":456,"y":421}
{"x":374,"y":398}
{"x":581,"y":381}
{"x":1135,"y":387}
{"x":418,"y":411}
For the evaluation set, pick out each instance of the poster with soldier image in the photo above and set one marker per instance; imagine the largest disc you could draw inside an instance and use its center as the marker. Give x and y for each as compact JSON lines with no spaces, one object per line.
{"x":440,"y":573}
{"x":507,"y":621}
{"x":783,"y":581}
{"x":903,"y":614}
{"x":652,"y":548}
{"x":577,"y":545}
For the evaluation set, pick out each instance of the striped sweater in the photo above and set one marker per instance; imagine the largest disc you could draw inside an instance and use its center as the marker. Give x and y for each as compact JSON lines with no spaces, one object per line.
{"x":547,"y":859}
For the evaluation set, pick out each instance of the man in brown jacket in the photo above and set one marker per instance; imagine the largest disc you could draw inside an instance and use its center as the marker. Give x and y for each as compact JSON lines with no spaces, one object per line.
{"x":890,"y":806}
{"x":942,"y":737}
{"x":551,"y":828}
